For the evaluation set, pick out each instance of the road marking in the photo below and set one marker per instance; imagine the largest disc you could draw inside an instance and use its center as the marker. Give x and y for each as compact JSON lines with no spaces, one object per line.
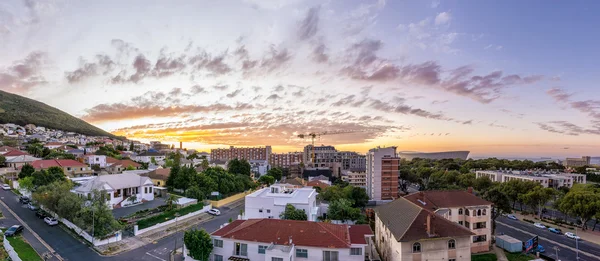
{"x":148,"y":253}
{"x":545,"y":238}
{"x":31,"y":230}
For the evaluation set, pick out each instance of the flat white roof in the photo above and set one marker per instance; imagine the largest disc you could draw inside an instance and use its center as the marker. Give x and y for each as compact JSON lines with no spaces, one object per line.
{"x":298,"y":196}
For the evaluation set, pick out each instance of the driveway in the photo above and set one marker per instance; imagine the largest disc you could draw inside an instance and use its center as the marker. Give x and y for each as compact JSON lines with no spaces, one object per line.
{"x":121,"y":212}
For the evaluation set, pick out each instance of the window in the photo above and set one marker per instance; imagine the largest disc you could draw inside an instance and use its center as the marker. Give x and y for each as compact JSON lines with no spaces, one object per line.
{"x":302,"y":253}
{"x":68,"y":168}
{"x":218,"y":243}
{"x":260,"y":210}
{"x":150,"y":189}
{"x":330,"y":256}
{"x":218,"y":258}
{"x":268,"y":211}
{"x":481,"y":238}
{"x":417,"y":247}
{"x":460,"y":211}
{"x":467,"y":212}
{"x":460,"y":223}
{"x":449,"y":212}
{"x":452,"y":259}
{"x":145,"y":189}
{"x":467,"y":224}
{"x":276,"y":259}
{"x":480,"y":225}
{"x":355,"y":251}
{"x":479,"y":212}
{"x":262,"y":249}
{"x":451,"y":244}
{"x":241,"y":249}
{"x":484,"y":212}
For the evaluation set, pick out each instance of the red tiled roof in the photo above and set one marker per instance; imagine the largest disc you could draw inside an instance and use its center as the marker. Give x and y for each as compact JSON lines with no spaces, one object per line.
{"x":53,"y":143}
{"x":445,"y":199}
{"x":358,"y":232}
{"x":127,"y":163}
{"x":318,"y":183}
{"x":302,"y":233}
{"x":6,"y":149}
{"x":111,"y":160}
{"x":14,"y":153}
{"x":44,"y":164}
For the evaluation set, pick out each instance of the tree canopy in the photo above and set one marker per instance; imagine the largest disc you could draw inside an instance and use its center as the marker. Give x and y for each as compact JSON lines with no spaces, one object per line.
{"x":198,"y":243}
{"x":582,"y":201}
{"x":236,"y":166}
{"x":341,"y":209}
{"x":26,"y":171}
{"x":291,"y":213}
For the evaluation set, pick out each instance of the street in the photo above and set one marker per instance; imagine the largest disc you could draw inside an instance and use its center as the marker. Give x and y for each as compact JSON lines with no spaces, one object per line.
{"x":69,"y":248}
{"x":523,"y":231}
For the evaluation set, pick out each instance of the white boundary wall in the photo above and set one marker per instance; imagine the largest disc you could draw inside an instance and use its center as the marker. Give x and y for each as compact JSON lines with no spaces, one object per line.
{"x":97,"y":242}
{"x":10,"y":250}
{"x":159,"y":225}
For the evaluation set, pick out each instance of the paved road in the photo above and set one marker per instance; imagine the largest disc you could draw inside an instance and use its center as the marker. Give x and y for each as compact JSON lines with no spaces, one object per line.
{"x":523,"y":231}
{"x":69,"y":248}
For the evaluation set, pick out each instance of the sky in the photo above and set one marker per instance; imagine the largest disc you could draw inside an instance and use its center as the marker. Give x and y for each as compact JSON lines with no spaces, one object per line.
{"x":498,"y":78}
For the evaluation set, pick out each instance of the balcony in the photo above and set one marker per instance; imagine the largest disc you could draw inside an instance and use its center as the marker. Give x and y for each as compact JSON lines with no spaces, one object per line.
{"x":477,"y":219}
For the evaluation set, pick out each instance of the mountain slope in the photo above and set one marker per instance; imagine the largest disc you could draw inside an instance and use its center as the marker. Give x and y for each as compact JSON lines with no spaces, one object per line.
{"x":20,"y":110}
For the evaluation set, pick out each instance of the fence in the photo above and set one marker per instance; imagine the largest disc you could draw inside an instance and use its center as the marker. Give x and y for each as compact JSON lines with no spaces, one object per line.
{"x":137,"y":231}
{"x":96,"y":242}
{"x":10,"y":250}
{"x":228,"y":200}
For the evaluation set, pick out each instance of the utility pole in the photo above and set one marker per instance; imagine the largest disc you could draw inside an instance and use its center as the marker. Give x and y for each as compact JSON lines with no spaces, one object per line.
{"x":556,"y":249}
{"x":576,"y":243}
{"x":176,"y":229}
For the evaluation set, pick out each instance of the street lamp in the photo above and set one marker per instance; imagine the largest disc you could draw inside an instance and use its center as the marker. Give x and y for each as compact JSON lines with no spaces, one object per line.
{"x":577,"y":243}
{"x":556,"y":248}
{"x":175,"y":247}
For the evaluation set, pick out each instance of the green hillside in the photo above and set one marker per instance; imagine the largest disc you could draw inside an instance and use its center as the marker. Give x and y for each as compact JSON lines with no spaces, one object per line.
{"x":22,"y":111}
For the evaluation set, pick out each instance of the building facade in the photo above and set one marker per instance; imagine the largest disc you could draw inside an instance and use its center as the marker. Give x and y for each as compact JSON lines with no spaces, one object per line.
{"x":285,"y":160}
{"x":329,"y":157}
{"x":356,"y":178}
{"x":435,"y":155}
{"x":577,"y":162}
{"x":251,"y":153}
{"x":383,"y":171}
{"x":71,"y":168}
{"x":544,"y":178}
{"x":121,"y":189}
{"x":270,"y":202}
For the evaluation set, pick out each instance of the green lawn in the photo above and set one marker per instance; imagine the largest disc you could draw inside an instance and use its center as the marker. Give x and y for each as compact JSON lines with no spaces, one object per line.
{"x":484,"y":257}
{"x":518,"y":257}
{"x":23,"y":249}
{"x":167,"y":215}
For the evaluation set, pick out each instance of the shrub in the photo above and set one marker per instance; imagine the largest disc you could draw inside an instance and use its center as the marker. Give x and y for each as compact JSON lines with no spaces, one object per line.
{"x":527,"y":220}
{"x":168,"y":215}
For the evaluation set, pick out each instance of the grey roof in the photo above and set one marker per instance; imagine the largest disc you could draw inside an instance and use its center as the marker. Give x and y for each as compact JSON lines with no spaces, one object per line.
{"x":150,"y":153}
{"x":22,"y":158}
{"x":114,"y":182}
{"x":398,"y":216}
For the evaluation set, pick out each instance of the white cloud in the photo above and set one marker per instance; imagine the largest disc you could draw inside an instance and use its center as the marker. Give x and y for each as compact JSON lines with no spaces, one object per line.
{"x":499,"y":47}
{"x":435,"y":4}
{"x":443,"y":18}
{"x":488,"y":47}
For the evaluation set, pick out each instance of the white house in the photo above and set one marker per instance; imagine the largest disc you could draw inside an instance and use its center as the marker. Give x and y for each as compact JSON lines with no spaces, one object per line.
{"x":270,"y":202}
{"x":283,"y":240}
{"x":121,"y":189}
{"x":99,"y":160}
{"x":148,"y":155}
{"x":53,"y":145}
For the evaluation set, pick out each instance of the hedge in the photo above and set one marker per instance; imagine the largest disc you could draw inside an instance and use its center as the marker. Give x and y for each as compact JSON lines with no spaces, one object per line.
{"x":168,"y":215}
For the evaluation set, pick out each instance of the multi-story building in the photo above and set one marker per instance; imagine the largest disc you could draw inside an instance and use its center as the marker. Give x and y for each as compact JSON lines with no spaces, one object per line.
{"x":285,"y":160}
{"x":270,"y":202}
{"x":462,"y":208}
{"x":71,"y":168}
{"x":356,"y":178}
{"x":147,"y":156}
{"x":577,"y":162}
{"x":410,"y":155}
{"x":383,"y":171}
{"x":329,"y":157}
{"x":290,"y":240}
{"x":544,"y":178}
{"x":405,"y":231}
{"x":252,"y":153}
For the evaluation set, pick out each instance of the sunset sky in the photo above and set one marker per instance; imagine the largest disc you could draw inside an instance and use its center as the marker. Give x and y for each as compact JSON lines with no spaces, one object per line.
{"x":498,"y":78}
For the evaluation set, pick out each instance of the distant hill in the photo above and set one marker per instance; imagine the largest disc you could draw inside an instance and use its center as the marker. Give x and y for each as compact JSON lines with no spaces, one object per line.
{"x":22,"y":111}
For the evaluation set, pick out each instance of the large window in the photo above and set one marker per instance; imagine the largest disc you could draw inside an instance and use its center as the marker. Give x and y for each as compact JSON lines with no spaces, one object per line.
{"x":218,"y":243}
{"x":481,"y":238}
{"x":355,"y":251}
{"x":460,"y":211}
{"x":451,"y":244}
{"x":276,"y":259}
{"x":302,"y":253}
{"x":241,"y":249}
{"x":417,"y":247}
{"x":218,"y":258}
{"x":330,"y":256}
{"x":262,"y":249}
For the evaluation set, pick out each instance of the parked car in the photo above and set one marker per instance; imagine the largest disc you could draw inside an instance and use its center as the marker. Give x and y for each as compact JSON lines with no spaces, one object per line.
{"x":513,"y":217}
{"x":215,"y":212}
{"x":6,"y":187}
{"x":572,"y":235}
{"x":24,"y":199}
{"x":555,"y":230}
{"x":13,"y":230}
{"x":41,"y":214}
{"x":539,"y":248}
{"x":51,"y":221}
{"x":539,"y":225}
{"x":32,"y":206}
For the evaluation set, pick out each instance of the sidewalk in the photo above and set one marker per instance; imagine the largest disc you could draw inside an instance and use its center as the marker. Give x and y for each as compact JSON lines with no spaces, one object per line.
{"x":500,"y":255}
{"x":588,"y":235}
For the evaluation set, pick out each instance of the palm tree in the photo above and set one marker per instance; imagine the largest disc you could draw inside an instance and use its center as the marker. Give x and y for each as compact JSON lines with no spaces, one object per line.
{"x":171,"y":201}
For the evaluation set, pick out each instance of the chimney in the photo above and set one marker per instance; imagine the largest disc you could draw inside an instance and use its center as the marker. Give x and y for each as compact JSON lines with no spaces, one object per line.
{"x":180,"y":145}
{"x":290,"y":240}
{"x":430,"y":228}
{"x":470,"y":190}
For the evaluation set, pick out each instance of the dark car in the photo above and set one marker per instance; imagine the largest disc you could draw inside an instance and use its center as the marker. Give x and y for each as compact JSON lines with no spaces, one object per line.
{"x":24,"y":200}
{"x":41,"y":214}
{"x":555,"y":230}
{"x":13,"y":230}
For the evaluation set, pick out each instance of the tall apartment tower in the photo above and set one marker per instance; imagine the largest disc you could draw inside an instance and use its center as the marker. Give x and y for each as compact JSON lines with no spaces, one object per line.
{"x":383,"y":170}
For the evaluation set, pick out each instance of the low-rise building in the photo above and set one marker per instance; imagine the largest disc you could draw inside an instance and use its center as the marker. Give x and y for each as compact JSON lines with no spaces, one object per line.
{"x":71,"y":168}
{"x":121,"y":189}
{"x":405,"y":231}
{"x":270,"y":202}
{"x":159,"y":176}
{"x":19,"y":161}
{"x":283,"y":240}
{"x":120,"y":165}
{"x":99,"y":160}
{"x":577,"y":162}
{"x":463,"y":208}
{"x":147,"y":156}
{"x":547,"y":179}
{"x":356,"y":178}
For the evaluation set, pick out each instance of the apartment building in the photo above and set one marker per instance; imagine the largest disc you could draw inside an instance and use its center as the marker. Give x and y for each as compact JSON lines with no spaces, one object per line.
{"x":462,"y":208}
{"x":577,"y":162}
{"x":329,"y":157}
{"x":544,"y":178}
{"x":250,"y":153}
{"x":383,"y":171}
{"x":283,"y":240}
{"x":356,"y":178}
{"x":285,"y":160}
{"x":270,"y":202}
{"x":405,"y":231}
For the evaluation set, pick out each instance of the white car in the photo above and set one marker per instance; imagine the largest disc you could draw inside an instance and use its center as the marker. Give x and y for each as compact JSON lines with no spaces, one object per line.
{"x":214,"y":211}
{"x":572,"y":235}
{"x":51,"y":221}
{"x":6,"y":187}
{"x":539,"y":225}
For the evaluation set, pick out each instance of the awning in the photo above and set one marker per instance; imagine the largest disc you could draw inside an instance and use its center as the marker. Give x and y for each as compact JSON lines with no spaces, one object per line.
{"x":235,"y":258}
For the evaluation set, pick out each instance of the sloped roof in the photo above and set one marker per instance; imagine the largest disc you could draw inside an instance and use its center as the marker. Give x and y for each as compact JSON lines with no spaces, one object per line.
{"x":4,"y":149}
{"x":114,"y":182}
{"x":161,"y":174}
{"x":302,"y":233}
{"x":14,"y":153}
{"x":126,"y":163}
{"x":22,"y":158}
{"x":318,"y":183}
{"x":151,"y":153}
{"x":407,"y":221}
{"x":44,"y":164}
{"x":358,"y":232}
{"x":435,"y":199}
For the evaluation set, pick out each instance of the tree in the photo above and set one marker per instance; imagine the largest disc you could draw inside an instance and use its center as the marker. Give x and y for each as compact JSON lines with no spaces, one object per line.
{"x":236,"y":166}
{"x":2,"y":161}
{"x":501,"y":204}
{"x":172,"y":177}
{"x":45,"y":177}
{"x":277,"y":173}
{"x":581,"y":202}
{"x":120,"y":147}
{"x":130,"y":167}
{"x":194,"y":192}
{"x":482,"y":184}
{"x":342,"y":209}
{"x":198,"y":243}
{"x":185,"y":178}
{"x":171,"y":202}
{"x":54,"y":154}
{"x":357,"y":195}
{"x":131,"y":146}
{"x":204,"y":164}
{"x":537,"y":198}
{"x":26,"y":183}
{"x":26,"y":171}
{"x":291,"y":213}
{"x":97,"y":217}
{"x":266,"y":179}
{"x":153,"y":160}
